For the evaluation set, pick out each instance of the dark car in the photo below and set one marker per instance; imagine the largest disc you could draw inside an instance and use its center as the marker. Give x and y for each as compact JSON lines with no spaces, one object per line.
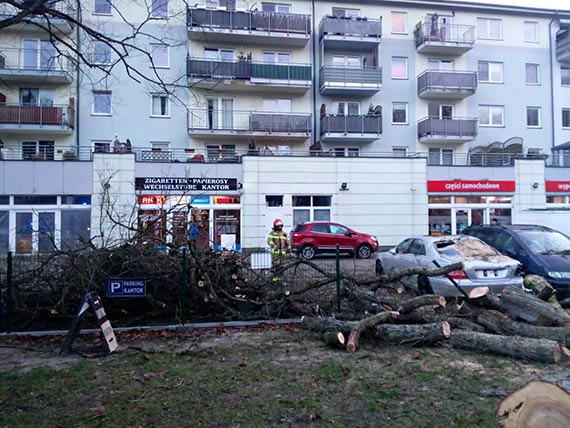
{"x":312,"y":238}
{"x":541,"y":250}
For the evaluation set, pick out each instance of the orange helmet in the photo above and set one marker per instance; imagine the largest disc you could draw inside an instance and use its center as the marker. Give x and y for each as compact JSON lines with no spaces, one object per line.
{"x":278,"y":222}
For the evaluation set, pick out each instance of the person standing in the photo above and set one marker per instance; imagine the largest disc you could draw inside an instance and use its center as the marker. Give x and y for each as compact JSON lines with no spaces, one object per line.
{"x":279,"y":246}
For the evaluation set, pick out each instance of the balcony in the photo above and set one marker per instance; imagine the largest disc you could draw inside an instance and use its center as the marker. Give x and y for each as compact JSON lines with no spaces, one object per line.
{"x":350,"y":33}
{"x":563,"y":45}
{"x":220,"y":124}
{"x":444,"y":39}
{"x":15,"y":118}
{"x":249,"y":76}
{"x":34,"y":66}
{"x":446,"y":130}
{"x":452,"y":85}
{"x":55,"y":24}
{"x":350,"y":81}
{"x":350,"y":128}
{"x":240,"y":26}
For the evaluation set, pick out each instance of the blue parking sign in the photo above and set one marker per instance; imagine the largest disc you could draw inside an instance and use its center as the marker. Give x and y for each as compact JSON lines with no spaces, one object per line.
{"x":126,"y":287}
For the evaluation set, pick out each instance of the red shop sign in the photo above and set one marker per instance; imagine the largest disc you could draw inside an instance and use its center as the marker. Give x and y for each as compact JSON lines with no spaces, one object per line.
{"x":558,"y":186}
{"x":152,"y":199}
{"x":471,"y":186}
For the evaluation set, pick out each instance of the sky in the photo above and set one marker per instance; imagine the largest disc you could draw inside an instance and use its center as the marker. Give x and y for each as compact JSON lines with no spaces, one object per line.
{"x":543,"y":4}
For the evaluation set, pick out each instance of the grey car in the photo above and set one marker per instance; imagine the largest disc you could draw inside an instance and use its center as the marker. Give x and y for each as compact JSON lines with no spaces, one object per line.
{"x":483,"y":265}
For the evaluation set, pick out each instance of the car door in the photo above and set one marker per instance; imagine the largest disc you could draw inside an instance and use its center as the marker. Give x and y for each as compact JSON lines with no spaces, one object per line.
{"x":340,"y":236}
{"x":414,"y":257}
{"x":321,"y":237}
{"x":393,"y":259}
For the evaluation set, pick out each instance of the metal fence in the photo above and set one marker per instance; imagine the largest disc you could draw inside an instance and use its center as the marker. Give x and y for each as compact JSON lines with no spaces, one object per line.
{"x":351,"y":124}
{"x":444,"y":33}
{"x":55,"y":115}
{"x":212,"y":69}
{"x":452,"y":127}
{"x":369,"y":76}
{"x":355,"y":27}
{"x":462,"y":81}
{"x":35,"y":60}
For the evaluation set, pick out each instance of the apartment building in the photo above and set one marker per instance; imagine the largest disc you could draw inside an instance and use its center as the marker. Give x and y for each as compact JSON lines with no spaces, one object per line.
{"x":454,"y":110}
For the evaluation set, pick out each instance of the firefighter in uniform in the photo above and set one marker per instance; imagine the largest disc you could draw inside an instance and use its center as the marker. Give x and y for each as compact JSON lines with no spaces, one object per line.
{"x":279,"y":247}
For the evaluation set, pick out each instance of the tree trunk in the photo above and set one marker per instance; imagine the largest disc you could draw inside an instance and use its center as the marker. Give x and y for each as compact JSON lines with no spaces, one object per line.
{"x":421,"y":315}
{"x":425,"y":300}
{"x":413,"y":334}
{"x":542,"y":350}
{"x":513,"y":328}
{"x":537,"y":404}
{"x":335,"y":340}
{"x":465,"y":324}
{"x":352,"y":343}
{"x":521,"y":305}
{"x":327,"y":324}
{"x":540,"y":286}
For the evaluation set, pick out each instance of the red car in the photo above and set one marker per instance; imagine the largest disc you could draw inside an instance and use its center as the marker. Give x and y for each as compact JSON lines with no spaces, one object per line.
{"x":311,"y":238}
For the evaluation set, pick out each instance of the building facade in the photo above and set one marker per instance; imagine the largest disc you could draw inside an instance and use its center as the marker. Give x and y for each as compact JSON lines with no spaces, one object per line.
{"x":394,"y":117}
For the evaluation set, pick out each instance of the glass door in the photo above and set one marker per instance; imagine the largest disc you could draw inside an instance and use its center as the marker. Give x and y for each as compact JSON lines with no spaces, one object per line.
{"x":461,"y":219}
{"x":35,"y":232}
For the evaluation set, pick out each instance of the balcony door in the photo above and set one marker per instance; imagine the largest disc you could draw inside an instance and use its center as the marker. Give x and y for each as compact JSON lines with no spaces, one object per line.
{"x":36,"y":97}
{"x":346,"y":108}
{"x":440,"y":111}
{"x":38,"y":54}
{"x":441,"y":64}
{"x":219,"y":54}
{"x":344,"y":61}
{"x":275,"y":105}
{"x":220,"y":113}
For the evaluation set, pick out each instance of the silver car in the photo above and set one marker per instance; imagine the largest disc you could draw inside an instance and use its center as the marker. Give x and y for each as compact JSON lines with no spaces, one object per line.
{"x":483,"y":265}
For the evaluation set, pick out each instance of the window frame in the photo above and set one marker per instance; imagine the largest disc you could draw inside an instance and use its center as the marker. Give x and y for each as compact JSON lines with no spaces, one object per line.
{"x":538,"y":117}
{"x":564,"y":75}
{"x":108,"y":53}
{"x":345,"y":10}
{"x":110,"y":95}
{"x":487,"y":35}
{"x":167,"y":55}
{"x":153,"y":10}
{"x":537,"y":83}
{"x":161,"y":96}
{"x":490,"y":72}
{"x":109,"y":2}
{"x":405,"y":16}
{"x":399,"y":148}
{"x":276,"y":7}
{"x":406,"y":77}
{"x":567,"y":111}
{"x":491,"y":107}
{"x":406,"y":112}
{"x":536,"y":35}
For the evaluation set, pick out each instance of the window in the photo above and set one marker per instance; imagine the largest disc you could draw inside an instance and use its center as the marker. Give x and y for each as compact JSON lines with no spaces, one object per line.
{"x":400,"y":113}
{"x":346,"y":108}
{"x":399,"y":22}
{"x":219,"y":54}
{"x":101,"y":146}
{"x":399,"y":152}
{"x":351,"y":152}
{"x":159,"y":55}
{"x":491,"y":115}
{"x":276,"y":57}
{"x":490,"y":72}
{"x":102,"y":102}
{"x":102,"y":53}
{"x":274,"y":200}
{"x":531,"y":32}
{"x":533,"y":117}
{"x":160,"y":106}
{"x":159,"y":9}
{"x":38,"y":54}
{"x":42,"y":150}
{"x":345,"y":13}
{"x":102,"y":7}
{"x":532,"y":74}
{"x":438,"y":156}
{"x":566,"y":118}
{"x":441,"y":64}
{"x":276,"y":7}
{"x":311,"y":208}
{"x":4,"y":231}
{"x":489,"y":29}
{"x":346,"y":61}
{"x":565,"y":76}
{"x":162,"y":145}
{"x":75,"y":228}
{"x":271,"y":105}
{"x":36,"y":97}
{"x":399,"y":67}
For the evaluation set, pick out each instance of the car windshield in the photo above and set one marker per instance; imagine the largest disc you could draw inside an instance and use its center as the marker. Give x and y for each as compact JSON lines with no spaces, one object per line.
{"x":463,"y":249}
{"x":542,"y":242}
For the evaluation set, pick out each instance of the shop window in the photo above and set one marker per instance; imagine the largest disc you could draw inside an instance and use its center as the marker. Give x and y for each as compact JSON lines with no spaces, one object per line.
{"x":4,"y":200}
{"x":46,"y":232}
{"x":4,"y":231}
{"x":152,"y":227}
{"x":35,"y":200}
{"x":315,"y":208}
{"x":439,"y":221}
{"x":274,"y":200}
{"x":227,"y":229}
{"x":75,"y":228}
{"x":24,"y":232}
{"x":556,"y":199}
{"x":179,"y":228}
{"x":469,"y":199}
{"x":439,"y":199}
{"x":76,"y":200}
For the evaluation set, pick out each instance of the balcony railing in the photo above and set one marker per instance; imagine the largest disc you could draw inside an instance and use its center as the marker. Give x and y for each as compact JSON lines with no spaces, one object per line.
{"x":351,"y":27}
{"x":458,"y":81}
{"x":444,"y":33}
{"x":351,"y":124}
{"x":248,"y":121}
{"x":351,"y":76}
{"x":447,"y":127}
{"x":34,"y":60}
{"x":211,"y":69}
{"x":563,"y":45}
{"x":250,"y":21}
{"x":15,"y":114}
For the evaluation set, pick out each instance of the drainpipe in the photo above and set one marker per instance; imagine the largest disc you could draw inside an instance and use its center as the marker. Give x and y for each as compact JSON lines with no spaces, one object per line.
{"x":314,"y":38}
{"x":77,"y":85}
{"x":553,"y":122}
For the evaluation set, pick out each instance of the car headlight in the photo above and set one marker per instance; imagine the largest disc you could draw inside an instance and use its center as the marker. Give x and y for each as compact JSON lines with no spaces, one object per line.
{"x":559,"y":275}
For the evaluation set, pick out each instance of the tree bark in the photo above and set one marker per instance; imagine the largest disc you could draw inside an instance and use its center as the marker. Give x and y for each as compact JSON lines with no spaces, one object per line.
{"x":335,"y":340}
{"x":521,"y":305}
{"x":537,"y":404}
{"x":425,"y":300}
{"x":328,"y":324}
{"x":396,"y":275}
{"x":465,"y":324}
{"x":362,"y":325}
{"x":540,"y":286}
{"x":513,"y":328}
{"x":414,"y":334}
{"x":421,"y":315}
{"x":542,"y":350}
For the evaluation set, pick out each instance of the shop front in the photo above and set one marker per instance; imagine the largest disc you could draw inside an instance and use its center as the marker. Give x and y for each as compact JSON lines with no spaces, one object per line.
{"x":185,"y":211}
{"x":455,"y":204}
{"x":558,"y":193}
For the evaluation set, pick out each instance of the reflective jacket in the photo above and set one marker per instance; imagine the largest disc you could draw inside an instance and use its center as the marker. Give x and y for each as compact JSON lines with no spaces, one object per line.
{"x":278,"y":242}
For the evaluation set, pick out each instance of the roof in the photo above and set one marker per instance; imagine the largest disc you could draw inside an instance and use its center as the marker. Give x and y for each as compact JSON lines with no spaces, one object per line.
{"x":563,"y":146}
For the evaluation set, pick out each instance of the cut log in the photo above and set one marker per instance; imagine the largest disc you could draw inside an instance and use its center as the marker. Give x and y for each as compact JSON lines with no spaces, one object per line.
{"x":565,"y":303}
{"x":556,"y":305}
{"x":543,"y":350}
{"x":540,"y":286}
{"x":335,"y":340}
{"x":327,"y":324}
{"x":537,"y":404}
{"x":432,"y":300}
{"x":413,"y":334}
{"x":524,"y":306}
{"x":421,"y":315}
{"x":362,"y":325}
{"x":478,"y":292}
{"x":465,"y":324}
{"x":507,"y":326}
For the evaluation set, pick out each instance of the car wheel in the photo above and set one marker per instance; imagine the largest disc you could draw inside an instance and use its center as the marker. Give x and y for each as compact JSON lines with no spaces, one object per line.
{"x":308,"y":252}
{"x":379,"y":268}
{"x":363,"y":251}
{"x":424,"y":286}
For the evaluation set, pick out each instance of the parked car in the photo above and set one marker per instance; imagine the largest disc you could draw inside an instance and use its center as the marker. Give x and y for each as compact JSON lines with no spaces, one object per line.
{"x":483,"y":265}
{"x":312,"y":238}
{"x":541,"y":250}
